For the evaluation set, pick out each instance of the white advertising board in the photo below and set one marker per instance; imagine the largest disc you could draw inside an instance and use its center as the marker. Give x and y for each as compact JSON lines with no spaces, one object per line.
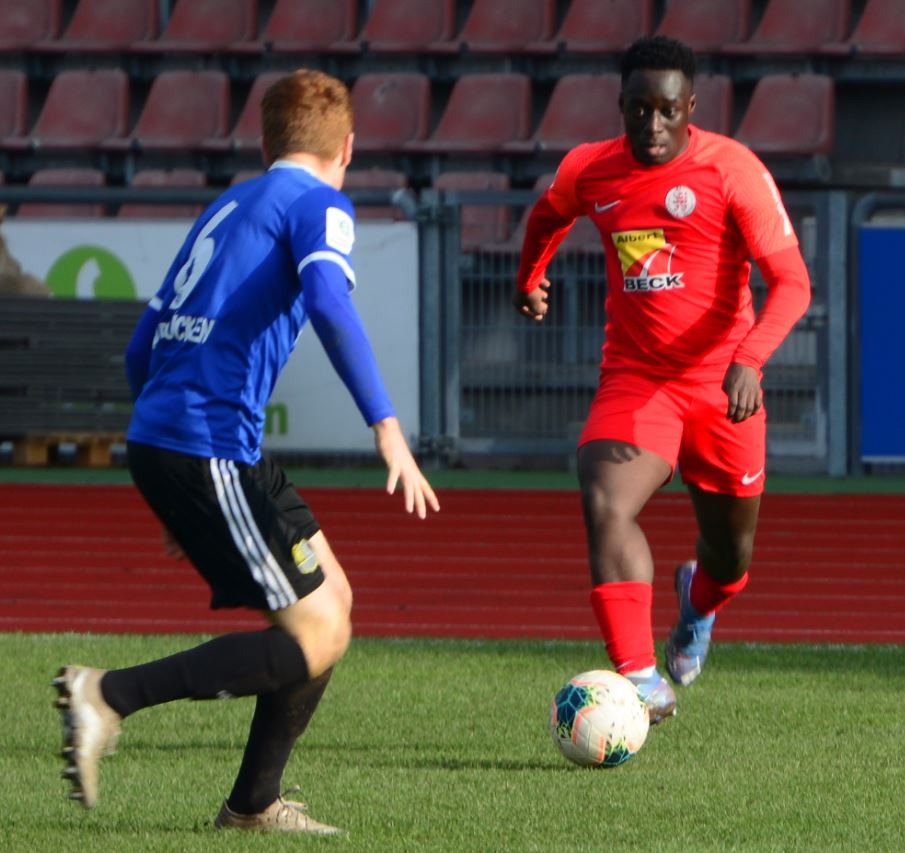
{"x":310,"y":410}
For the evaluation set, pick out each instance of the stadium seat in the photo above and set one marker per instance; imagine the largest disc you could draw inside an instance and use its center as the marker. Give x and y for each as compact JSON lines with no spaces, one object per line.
{"x":24,"y":23}
{"x":390,"y":109}
{"x":880,"y":31}
{"x":13,"y":105}
{"x":582,"y":108}
{"x":81,"y":110}
{"x":409,"y":26}
{"x":64,"y":177}
{"x":706,"y":25}
{"x":484,"y":112}
{"x":479,"y":224}
{"x":200,"y":26}
{"x":246,"y":132}
{"x":599,"y":26}
{"x":296,"y":26}
{"x":376,"y":179}
{"x":164,"y":178}
{"x":796,"y":28}
{"x":100,"y":26}
{"x":184,"y":108}
{"x":790,"y":114}
{"x":506,"y":26}
{"x":714,"y":102}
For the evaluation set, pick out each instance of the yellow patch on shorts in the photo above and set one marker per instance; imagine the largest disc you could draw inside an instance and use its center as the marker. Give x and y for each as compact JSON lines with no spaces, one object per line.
{"x":304,"y":557}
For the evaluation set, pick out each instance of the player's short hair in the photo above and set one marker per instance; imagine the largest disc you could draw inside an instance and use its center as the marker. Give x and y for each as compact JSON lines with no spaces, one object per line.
{"x":658,"y":53}
{"x":307,"y":111}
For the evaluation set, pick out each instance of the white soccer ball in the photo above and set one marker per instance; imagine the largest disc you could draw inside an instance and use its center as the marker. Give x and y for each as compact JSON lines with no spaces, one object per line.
{"x":598,"y":719}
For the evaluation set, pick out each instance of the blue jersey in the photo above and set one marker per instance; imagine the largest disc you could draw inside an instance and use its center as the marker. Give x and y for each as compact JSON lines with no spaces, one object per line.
{"x":265,"y":257}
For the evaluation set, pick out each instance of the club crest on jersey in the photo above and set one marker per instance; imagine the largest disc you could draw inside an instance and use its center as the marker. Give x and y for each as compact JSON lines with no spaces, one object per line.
{"x":681,"y":201}
{"x":340,"y":230}
{"x":646,"y":260}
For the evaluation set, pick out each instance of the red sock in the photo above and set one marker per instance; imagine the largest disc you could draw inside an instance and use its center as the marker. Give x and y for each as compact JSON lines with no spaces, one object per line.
{"x":707,"y":595}
{"x":623,"y":611}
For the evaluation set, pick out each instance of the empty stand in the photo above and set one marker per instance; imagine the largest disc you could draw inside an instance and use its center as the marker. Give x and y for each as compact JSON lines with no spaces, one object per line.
{"x":13,"y":105}
{"x":706,"y":25}
{"x":506,"y":26}
{"x":107,"y":25}
{"x":375,"y":179}
{"x":197,"y":26}
{"x":790,"y":114}
{"x":714,"y":102}
{"x":307,"y":25}
{"x":23,"y":23}
{"x":184,"y":108}
{"x":403,"y":26}
{"x":799,"y":27}
{"x":64,"y":177}
{"x":246,"y":132}
{"x":582,"y":108}
{"x":163,"y":178}
{"x":390,"y":110}
{"x":599,"y":26}
{"x":479,"y":224}
{"x":81,"y":110}
{"x":484,"y":112}
{"x":880,"y":31}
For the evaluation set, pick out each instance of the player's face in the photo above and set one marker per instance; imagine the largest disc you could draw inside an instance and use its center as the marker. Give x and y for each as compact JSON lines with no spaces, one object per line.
{"x":656,"y":106}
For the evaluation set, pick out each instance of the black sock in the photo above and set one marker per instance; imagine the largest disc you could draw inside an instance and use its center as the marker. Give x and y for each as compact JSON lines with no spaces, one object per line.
{"x":244,"y":664}
{"x":279,"y":720}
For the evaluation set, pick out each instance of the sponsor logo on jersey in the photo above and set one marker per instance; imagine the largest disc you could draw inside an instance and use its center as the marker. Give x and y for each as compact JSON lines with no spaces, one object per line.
{"x":646,"y":260}
{"x":681,"y":201}
{"x":600,"y":208}
{"x":182,"y":327}
{"x":340,"y":230}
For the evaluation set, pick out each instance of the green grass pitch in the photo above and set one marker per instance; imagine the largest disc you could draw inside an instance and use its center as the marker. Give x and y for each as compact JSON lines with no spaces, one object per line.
{"x":430,"y":745}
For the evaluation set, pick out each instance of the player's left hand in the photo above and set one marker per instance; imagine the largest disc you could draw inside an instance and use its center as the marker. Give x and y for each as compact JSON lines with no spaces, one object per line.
{"x":534,"y":304}
{"x":402,"y":467}
{"x":743,"y":389}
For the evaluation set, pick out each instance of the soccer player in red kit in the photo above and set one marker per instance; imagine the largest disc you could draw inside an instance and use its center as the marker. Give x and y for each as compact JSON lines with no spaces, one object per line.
{"x":680,"y":212}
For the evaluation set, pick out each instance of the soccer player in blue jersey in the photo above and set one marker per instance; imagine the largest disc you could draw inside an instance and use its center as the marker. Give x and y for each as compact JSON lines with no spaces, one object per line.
{"x":269,"y":255}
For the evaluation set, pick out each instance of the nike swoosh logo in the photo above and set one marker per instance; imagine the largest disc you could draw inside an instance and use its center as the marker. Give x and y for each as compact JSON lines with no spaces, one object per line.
{"x":748,"y":479}
{"x":599,"y":208}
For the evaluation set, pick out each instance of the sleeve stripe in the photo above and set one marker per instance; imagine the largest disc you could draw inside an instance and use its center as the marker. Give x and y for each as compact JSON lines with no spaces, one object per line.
{"x":335,"y":257}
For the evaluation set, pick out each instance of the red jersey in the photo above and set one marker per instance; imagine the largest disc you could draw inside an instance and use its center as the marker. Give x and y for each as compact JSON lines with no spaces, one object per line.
{"x":677,"y":238}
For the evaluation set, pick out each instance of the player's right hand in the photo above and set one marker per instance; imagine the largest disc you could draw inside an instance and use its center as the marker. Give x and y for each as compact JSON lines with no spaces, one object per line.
{"x":533,"y":305}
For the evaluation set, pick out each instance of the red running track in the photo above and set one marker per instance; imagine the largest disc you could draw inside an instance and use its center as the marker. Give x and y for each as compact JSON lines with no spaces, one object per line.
{"x":492,"y":564}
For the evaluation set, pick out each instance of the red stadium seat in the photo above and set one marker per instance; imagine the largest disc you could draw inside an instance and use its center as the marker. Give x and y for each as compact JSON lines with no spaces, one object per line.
{"x":479,"y":224}
{"x":246,"y":132}
{"x":199,"y":26}
{"x":706,"y":25}
{"x":107,"y":26}
{"x":506,"y":26}
{"x":164,"y":178}
{"x":376,"y":179}
{"x":599,"y":26}
{"x":82,"y":109}
{"x":24,"y":23}
{"x":64,"y":177}
{"x":880,"y":31}
{"x":184,"y":108}
{"x":13,"y":105}
{"x":484,"y":112}
{"x":405,"y":26}
{"x":714,"y":102}
{"x":790,"y":114}
{"x":582,"y":108}
{"x":799,"y":27}
{"x":307,"y":25}
{"x":390,"y":110}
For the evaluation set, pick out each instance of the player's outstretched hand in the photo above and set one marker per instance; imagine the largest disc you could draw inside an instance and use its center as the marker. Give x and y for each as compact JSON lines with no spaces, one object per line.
{"x":533,"y":305}
{"x":401,"y":465}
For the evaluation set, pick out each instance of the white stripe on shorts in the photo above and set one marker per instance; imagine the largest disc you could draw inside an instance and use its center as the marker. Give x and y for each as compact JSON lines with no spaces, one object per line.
{"x":247,"y":536}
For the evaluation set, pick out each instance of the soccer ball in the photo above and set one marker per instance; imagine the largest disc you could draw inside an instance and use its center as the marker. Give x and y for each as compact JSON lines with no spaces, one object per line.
{"x":598,"y":719}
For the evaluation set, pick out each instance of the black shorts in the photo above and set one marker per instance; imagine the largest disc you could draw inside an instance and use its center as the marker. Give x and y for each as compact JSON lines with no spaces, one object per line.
{"x":244,"y":527}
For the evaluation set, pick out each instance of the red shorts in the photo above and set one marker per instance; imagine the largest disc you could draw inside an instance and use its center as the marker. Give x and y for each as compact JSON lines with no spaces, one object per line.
{"x":685,"y":422}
